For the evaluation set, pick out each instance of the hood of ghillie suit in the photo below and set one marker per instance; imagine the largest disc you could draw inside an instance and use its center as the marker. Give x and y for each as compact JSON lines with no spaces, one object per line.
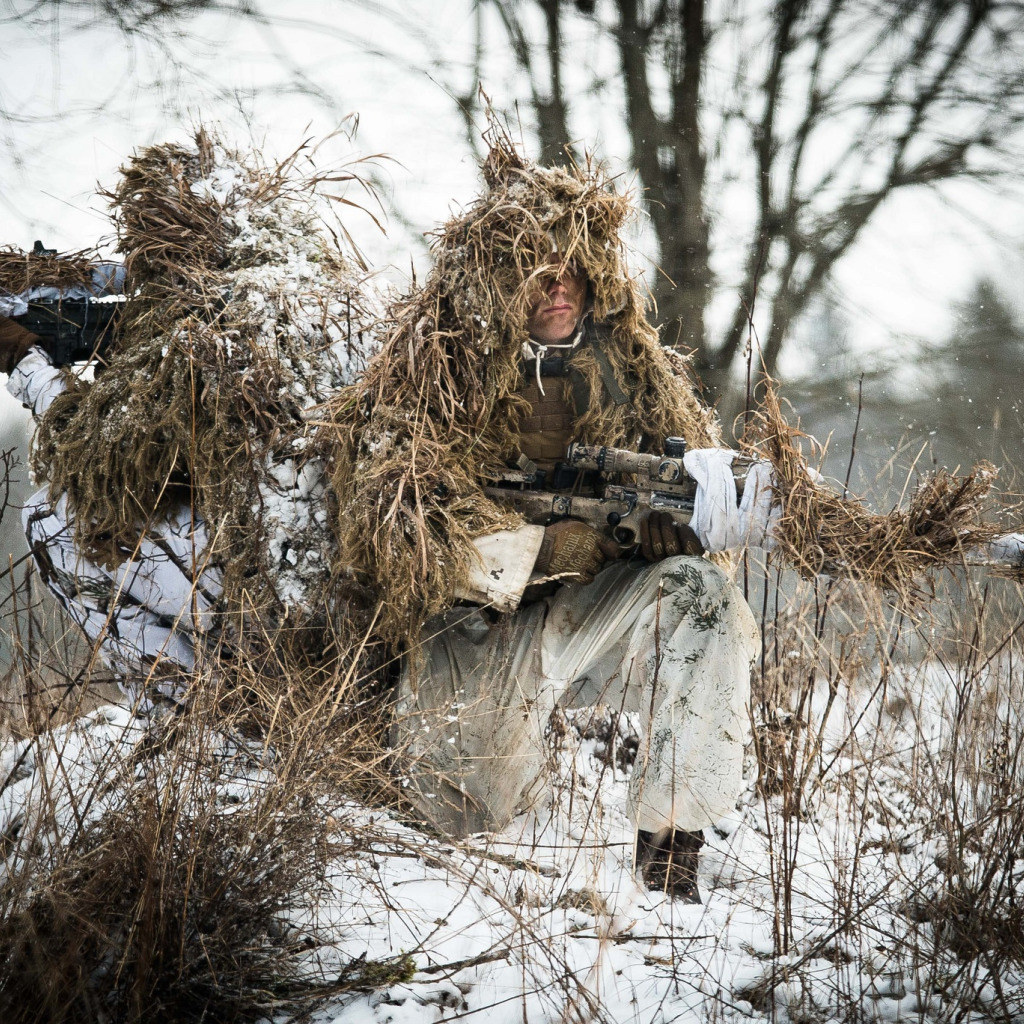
{"x":435,"y":413}
{"x":242,"y":319}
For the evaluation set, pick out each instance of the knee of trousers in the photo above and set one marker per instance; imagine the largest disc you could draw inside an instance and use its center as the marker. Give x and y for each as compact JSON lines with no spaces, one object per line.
{"x":685,"y":579}
{"x":693,"y":575}
{"x":684,"y":566}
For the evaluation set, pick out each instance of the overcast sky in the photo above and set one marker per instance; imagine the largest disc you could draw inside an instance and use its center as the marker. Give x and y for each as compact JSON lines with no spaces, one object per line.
{"x":81,"y":98}
{"x":77,"y":98}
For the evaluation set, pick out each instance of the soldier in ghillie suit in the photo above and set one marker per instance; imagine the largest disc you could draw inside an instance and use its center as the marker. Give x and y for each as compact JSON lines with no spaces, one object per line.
{"x":185,"y":512}
{"x":529,"y":333}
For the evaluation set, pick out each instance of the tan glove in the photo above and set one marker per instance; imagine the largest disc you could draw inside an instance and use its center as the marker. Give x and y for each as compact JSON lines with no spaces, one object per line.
{"x":570,"y":546}
{"x":662,"y":537}
{"x":15,"y":342}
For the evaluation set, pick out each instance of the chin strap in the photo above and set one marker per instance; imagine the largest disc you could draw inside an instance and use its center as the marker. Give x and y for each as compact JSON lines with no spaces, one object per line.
{"x":537,"y":350}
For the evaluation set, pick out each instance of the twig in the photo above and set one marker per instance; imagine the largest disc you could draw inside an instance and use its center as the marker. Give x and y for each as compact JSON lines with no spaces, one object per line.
{"x":853,"y":440}
{"x":473,"y":961}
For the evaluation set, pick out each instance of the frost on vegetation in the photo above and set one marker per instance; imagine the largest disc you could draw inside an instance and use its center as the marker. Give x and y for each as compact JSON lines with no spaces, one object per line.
{"x":108,"y":822}
{"x":307,"y":309}
{"x":68,"y":780}
{"x":827,"y":915}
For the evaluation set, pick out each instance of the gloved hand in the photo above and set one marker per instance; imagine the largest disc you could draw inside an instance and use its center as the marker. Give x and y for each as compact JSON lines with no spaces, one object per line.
{"x":662,"y":537}
{"x":15,"y":342}
{"x":570,"y":546}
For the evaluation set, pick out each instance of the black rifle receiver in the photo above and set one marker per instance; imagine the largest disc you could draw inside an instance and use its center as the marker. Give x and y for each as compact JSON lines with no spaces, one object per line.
{"x":72,"y":330}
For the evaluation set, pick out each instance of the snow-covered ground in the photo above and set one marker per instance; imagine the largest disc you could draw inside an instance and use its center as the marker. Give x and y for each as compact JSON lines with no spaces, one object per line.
{"x":819,"y":915}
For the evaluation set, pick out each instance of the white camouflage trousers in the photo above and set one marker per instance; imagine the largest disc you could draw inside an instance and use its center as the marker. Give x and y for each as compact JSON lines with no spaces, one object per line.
{"x":147,"y":616}
{"x":672,"y":641}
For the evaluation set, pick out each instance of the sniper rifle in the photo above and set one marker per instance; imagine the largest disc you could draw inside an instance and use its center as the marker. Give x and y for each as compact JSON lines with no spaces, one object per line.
{"x":71,"y":329}
{"x":656,"y":483}
{"x":649,"y":483}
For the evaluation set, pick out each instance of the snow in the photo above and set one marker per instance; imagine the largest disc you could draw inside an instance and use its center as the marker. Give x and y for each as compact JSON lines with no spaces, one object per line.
{"x":547,"y":922}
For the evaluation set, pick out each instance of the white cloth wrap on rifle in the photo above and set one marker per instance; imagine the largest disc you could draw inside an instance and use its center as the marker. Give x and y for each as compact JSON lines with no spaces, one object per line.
{"x":503,"y":567}
{"x":719,"y":519}
{"x":757,"y":513}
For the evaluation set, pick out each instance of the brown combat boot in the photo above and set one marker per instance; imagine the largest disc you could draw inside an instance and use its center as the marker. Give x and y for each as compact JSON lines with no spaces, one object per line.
{"x":668,"y":862}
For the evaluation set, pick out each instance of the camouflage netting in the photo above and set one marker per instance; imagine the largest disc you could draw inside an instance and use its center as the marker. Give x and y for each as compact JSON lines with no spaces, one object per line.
{"x":241,"y":319}
{"x":820,"y":532}
{"x":21,"y":271}
{"x":435,"y":412}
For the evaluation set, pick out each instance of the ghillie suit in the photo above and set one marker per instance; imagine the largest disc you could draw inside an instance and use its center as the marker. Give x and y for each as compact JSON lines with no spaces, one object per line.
{"x":947,"y":520}
{"x":21,"y":271}
{"x":435,"y":413}
{"x":241,"y":319}
{"x":440,"y":411}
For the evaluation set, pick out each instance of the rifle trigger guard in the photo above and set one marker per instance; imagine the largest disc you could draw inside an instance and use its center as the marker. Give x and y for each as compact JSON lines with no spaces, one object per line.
{"x":624,"y":536}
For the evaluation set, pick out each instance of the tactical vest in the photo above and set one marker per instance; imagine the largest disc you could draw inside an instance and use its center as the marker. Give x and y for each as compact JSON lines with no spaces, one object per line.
{"x":546,"y":430}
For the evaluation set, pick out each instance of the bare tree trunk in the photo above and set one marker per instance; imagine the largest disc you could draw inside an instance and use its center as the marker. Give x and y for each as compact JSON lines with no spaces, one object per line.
{"x":552,"y":112}
{"x":769,"y":221}
{"x":669,"y":155}
{"x":548,"y":100}
{"x":684,"y":241}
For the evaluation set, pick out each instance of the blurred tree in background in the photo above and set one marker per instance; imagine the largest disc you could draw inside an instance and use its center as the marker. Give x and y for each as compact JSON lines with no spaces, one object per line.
{"x":797,"y":119}
{"x":919,"y":404}
{"x":970,"y":386}
{"x":765,"y":136}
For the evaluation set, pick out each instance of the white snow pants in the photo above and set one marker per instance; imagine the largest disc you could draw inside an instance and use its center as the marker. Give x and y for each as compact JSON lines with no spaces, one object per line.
{"x":146,"y":616}
{"x":672,"y":641}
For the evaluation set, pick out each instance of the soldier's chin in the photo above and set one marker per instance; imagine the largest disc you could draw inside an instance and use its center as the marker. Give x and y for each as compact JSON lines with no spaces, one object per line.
{"x":561,"y":328}
{"x":550,"y":329}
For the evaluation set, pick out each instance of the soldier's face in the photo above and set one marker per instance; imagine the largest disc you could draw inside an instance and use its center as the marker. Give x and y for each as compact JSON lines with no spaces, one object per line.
{"x":556,"y":306}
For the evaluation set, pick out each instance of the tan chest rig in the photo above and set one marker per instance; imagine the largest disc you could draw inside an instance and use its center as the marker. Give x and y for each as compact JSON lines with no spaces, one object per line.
{"x":546,"y":430}
{"x":558,"y":399}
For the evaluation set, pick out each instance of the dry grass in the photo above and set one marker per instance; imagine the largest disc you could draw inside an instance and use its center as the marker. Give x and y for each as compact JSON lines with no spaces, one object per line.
{"x":167,"y":886}
{"x":435,"y":413}
{"x":165,"y":895}
{"x":906,"y":727}
{"x":821,"y":532}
